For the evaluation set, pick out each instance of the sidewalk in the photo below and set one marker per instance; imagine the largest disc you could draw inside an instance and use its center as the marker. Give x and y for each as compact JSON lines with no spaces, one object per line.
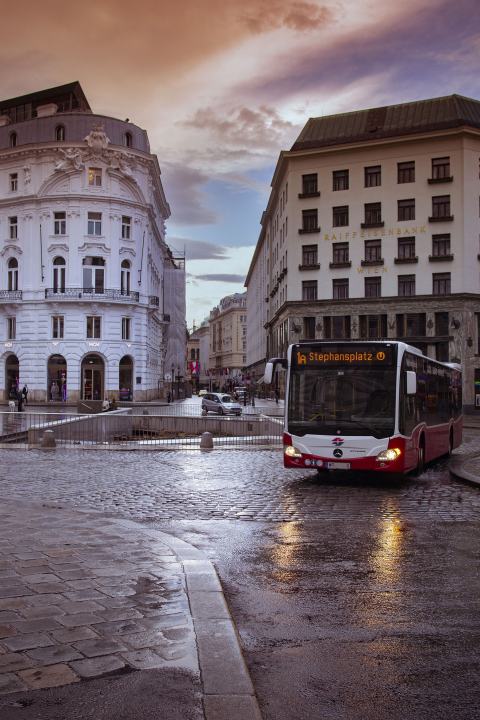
{"x":83,"y":597}
{"x":467,"y":467}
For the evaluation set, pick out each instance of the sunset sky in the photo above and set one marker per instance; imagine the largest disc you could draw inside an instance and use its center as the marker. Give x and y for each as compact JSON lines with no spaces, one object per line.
{"x":222,"y":86}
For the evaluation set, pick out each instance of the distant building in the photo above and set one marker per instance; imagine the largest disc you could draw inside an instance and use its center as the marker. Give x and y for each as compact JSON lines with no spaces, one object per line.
{"x":198,"y":354}
{"x":228,"y":341}
{"x":91,"y":297}
{"x":372,"y":231}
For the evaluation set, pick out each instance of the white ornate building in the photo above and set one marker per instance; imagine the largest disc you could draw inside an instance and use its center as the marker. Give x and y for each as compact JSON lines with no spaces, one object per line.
{"x":91,"y":296}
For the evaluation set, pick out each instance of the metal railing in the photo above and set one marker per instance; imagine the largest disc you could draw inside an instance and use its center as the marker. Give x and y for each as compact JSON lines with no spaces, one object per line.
{"x":91,"y":294}
{"x":124,"y":429}
{"x":10,"y":294}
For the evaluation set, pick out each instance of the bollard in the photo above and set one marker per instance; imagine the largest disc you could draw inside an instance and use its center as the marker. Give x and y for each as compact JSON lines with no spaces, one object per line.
{"x":48,"y":439}
{"x":206,"y":443}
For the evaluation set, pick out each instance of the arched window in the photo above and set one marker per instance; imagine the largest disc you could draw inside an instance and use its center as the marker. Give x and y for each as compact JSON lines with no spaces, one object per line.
{"x":125,"y":278}
{"x":59,"y":133}
{"x":13,"y":274}
{"x":13,"y":139}
{"x":59,"y":275}
{"x":128,"y":139}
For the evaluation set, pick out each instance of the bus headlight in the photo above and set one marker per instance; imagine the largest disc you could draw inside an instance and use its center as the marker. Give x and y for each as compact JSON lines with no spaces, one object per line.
{"x":388,"y":455}
{"x":292,"y":451}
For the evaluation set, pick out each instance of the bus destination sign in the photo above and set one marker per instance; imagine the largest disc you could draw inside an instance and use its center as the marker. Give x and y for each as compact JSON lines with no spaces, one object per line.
{"x":335,"y":355}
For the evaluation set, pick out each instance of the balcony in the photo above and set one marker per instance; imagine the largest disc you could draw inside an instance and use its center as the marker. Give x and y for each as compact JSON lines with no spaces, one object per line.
{"x":9,"y":295}
{"x":153,"y":300}
{"x":166,"y":318}
{"x":90,"y":294}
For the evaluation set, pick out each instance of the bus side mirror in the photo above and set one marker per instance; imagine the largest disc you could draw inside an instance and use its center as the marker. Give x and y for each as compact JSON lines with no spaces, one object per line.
{"x":268,"y":373}
{"x":411,"y":382}
{"x":270,"y":368}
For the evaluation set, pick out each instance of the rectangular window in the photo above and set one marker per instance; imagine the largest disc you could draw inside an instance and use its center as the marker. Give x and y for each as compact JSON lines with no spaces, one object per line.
{"x":125,"y":329}
{"x":406,"y":209}
{"x":309,"y":219}
{"x":373,"y":250}
{"x":340,"y":252}
{"x":441,"y":283}
{"x":94,"y":223}
{"x":340,"y":289}
{"x":11,"y":328}
{"x":336,"y":327}
{"x":411,"y":325}
{"x":406,"y":172}
{"x":340,"y":216}
{"x":441,"y":206}
{"x":95,"y":177}
{"x":309,"y":184}
{"x":440,"y":168}
{"x":57,"y":327}
{"x":440,"y":245}
{"x":373,"y":326}
{"x":13,"y":225}
{"x":340,"y":180}
{"x":309,"y":290}
{"x":13,"y":182}
{"x":126,"y":225}
{"x":373,"y":213}
{"x":60,"y":223}
{"x":373,"y":287}
{"x":373,"y":176}
{"x":93,"y":327}
{"x":244,"y":346}
{"x":441,"y":323}
{"x":309,"y":325}
{"x":406,"y":285}
{"x":406,"y":247}
{"x":309,"y":254}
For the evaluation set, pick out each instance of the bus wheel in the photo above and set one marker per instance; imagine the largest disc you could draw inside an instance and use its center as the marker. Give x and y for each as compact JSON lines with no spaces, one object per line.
{"x":420,"y":458}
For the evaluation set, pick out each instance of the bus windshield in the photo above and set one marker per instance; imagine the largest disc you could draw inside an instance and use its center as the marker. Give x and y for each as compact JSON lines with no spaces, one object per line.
{"x":344,"y":399}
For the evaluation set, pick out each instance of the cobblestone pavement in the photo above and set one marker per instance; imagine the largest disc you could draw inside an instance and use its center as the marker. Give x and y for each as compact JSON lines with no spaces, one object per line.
{"x":236,"y":485}
{"x":79,"y":600}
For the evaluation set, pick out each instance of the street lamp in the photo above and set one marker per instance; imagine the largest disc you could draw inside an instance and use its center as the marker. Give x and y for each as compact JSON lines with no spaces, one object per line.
{"x":173,"y":377}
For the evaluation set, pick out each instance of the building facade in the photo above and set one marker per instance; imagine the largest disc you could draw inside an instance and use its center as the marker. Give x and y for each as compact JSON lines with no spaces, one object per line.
{"x":228,"y":341}
{"x":90,"y":287}
{"x":372,"y":231}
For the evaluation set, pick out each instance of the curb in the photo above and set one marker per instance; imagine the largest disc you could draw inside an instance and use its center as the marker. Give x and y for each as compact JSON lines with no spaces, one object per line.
{"x":457,"y":470}
{"x":228,"y":690}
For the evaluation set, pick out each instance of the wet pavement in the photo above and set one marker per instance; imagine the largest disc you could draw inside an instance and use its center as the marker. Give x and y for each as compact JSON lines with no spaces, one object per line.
{"x":354,"y":597}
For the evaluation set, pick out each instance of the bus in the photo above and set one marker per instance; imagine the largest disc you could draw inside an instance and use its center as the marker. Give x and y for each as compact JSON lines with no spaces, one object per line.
{"x":380,"y":406}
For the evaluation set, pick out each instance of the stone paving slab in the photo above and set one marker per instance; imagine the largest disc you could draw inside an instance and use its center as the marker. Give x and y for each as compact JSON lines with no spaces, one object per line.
{"x":51,"y":634}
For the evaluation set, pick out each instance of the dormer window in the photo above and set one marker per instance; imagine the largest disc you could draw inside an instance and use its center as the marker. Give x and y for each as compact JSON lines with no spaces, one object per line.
{"x":128,"y":139}
{"x":13,"y":140}
{"x":59,"y":133}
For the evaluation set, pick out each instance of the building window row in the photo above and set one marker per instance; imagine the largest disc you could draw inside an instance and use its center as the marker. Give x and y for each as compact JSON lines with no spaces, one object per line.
{"x":406,"y":249}
{"x":373,"y":214}
{"x":441,"y":285}
{"x":93,"y":329}
{"x":440,"y":171}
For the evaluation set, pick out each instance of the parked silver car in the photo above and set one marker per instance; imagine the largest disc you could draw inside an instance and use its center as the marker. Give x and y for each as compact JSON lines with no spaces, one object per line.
{"x":221,"y":404}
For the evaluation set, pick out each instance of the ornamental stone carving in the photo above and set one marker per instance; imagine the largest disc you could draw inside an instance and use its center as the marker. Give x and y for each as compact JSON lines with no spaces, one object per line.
{"x":27,"y":171}
{"x":97,"y":141}
{"x":70,"y":159}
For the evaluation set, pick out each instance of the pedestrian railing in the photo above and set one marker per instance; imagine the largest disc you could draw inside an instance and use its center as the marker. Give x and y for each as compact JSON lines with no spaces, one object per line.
{"x":128,"y":429}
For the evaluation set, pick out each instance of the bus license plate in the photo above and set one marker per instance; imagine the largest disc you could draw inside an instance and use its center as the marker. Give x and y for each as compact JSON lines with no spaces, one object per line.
{"x":337,"y":466}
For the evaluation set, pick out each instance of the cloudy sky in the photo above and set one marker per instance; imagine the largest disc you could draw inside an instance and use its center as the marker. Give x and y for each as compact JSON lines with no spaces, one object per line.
{"x":223,"y":85}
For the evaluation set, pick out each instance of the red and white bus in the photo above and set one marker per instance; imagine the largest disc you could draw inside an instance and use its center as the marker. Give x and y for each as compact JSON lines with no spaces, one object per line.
{"x":368,"y":406}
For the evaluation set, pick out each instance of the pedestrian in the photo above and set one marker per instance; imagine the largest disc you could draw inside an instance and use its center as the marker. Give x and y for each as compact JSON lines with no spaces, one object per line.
{"x":277,"y":395}
{"x":20,"y":400}
{"x":25,"y":393}
{"x":169,"y":397}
